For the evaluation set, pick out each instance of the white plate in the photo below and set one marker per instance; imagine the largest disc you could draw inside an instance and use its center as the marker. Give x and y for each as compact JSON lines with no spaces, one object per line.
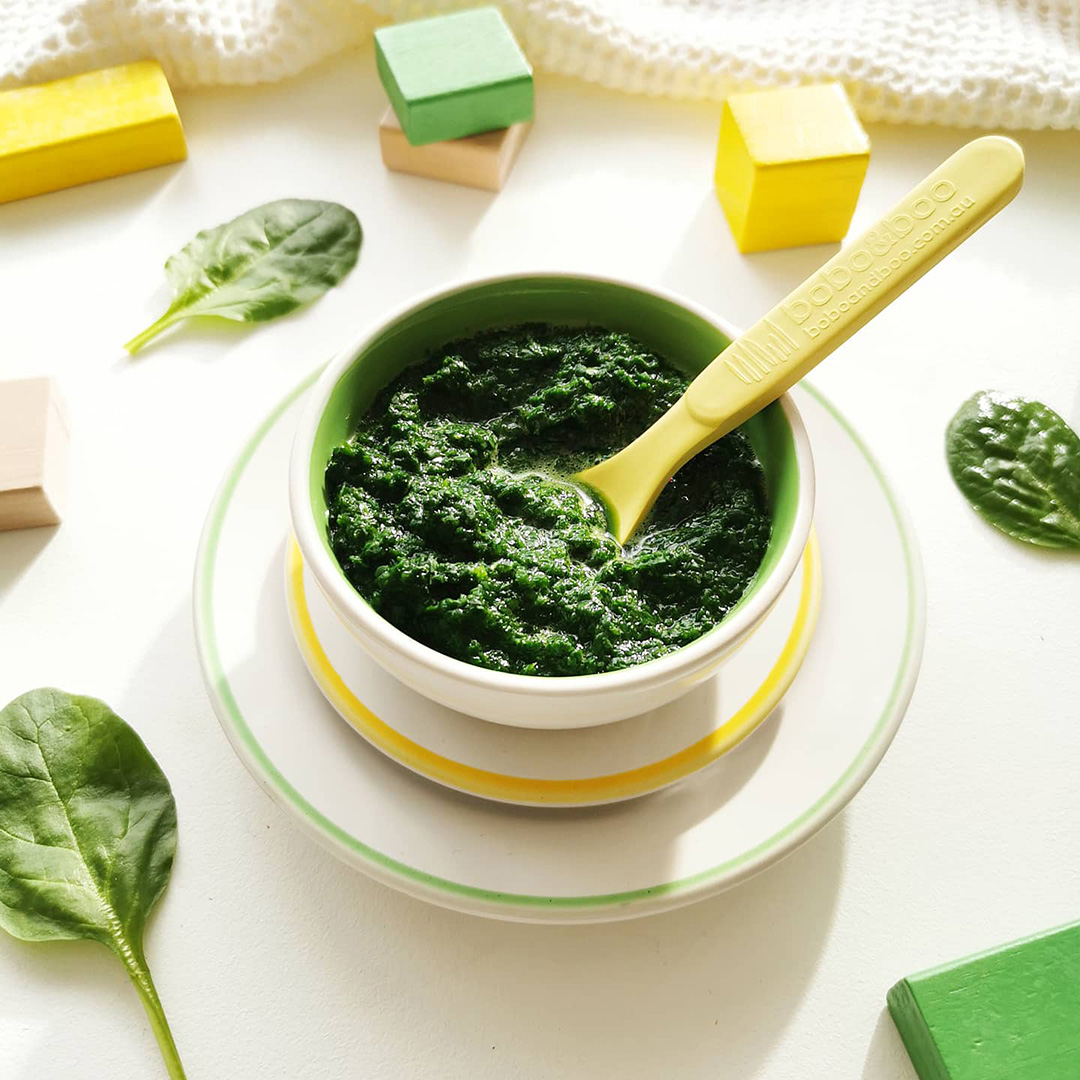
{"x":707,"y":833}
{"x":559,"y":767}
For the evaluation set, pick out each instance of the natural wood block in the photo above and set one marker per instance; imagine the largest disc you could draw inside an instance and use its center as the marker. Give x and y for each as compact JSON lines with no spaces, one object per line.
{"x":482,"y":161}
{"x":33,"y":453}
{"x":454,"y":75}
{"x":87,"y":127}
{"x":1009,"y":1014}
{"x":789,"y":166}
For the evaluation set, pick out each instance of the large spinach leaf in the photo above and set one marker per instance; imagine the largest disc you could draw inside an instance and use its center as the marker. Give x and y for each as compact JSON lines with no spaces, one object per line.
{"x":1018,"y":463}
{"x":87,"y":833}
{"x":260,"y":265}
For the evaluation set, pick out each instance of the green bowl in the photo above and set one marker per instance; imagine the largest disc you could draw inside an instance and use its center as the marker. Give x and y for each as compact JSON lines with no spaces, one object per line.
{"x":687,"y":336}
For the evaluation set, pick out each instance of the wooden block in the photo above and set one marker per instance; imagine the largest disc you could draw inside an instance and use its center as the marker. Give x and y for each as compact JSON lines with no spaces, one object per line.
{"x":454,"y":75}
{"x":33,"y":453}
{"x":87,"y":127}
{"x":481,"y":161}
{"x":1009,"y":1014}
{"x":789,"y":166}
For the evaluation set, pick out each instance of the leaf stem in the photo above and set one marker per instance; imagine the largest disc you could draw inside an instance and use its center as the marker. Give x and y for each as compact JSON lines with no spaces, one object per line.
{"x":140,"y":976}
{"x":155,"y":328}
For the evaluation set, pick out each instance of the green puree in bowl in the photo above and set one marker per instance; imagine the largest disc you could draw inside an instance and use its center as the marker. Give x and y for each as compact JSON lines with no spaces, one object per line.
{"x":448,"y":516}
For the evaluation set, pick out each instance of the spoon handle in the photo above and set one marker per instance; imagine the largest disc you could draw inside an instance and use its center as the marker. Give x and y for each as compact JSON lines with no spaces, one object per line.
{"x":865,"y":276}
{"x":824,"y":311}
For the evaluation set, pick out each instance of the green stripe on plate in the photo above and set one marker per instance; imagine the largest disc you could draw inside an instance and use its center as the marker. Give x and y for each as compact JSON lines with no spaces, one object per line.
{"x":393,"y":870}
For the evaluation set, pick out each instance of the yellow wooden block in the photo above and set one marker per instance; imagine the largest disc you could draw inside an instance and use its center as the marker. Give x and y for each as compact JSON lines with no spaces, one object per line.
{"x":482,"y":161}
{"x":789,"y":166}
{"x":33,"y":453}
{"x":87,"y":127}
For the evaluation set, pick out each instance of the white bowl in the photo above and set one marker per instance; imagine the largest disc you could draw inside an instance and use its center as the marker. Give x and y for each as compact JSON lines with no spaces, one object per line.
{"x":676,"y":328}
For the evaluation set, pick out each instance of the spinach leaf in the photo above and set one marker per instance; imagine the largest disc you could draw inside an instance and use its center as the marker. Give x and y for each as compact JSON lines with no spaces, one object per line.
{"x":1018,"y":463}
{"x":87,"y":833}
{"x":260,"y":265}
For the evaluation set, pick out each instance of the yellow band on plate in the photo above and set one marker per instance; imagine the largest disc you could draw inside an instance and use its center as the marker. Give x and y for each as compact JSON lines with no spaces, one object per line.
{"x":576,"y":792}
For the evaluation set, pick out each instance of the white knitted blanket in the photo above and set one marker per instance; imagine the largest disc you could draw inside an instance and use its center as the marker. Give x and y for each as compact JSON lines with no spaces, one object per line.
{"x":973,"y":63}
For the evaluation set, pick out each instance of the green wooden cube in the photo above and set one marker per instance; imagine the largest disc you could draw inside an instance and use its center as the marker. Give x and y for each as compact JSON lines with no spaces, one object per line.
{"x":1009,"y":1014}
{"x":454,"y":75}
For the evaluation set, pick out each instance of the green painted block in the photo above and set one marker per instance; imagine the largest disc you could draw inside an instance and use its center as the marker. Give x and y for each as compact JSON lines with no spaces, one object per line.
{"x":454,"y":75}
{"x":1009,"y":1014}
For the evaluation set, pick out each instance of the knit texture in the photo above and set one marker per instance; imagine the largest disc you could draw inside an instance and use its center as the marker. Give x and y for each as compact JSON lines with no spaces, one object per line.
{"x":971,"y":63}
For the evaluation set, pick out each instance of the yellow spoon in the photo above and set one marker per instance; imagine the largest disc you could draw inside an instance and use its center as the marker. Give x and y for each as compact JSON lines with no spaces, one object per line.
{"x":824,"y":311}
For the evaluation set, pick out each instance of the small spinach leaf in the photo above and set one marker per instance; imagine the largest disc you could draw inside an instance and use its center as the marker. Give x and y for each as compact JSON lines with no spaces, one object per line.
{"x":87,"y":833}
{"x":1018,"y":464}
{"x":260,"y":265}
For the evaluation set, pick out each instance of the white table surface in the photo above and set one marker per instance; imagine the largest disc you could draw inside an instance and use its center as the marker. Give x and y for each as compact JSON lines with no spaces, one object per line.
{"x":273,"y":959}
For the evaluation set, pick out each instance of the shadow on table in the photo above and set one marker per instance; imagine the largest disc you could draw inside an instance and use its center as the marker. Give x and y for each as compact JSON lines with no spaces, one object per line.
{"x":77,"y":975}
{"x":707,"y":243}
{"x":67,"y":212}
{"x":721,"y":979}
{"x":886,"y":1058}
{"x":717,"y":981}
{"x":19,"y":549}
{"x":444,"y":214}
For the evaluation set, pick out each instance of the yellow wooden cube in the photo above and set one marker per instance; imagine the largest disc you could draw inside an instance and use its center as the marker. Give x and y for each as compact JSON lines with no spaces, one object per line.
{"x":87,"y":127}
{"x":789,"y":166}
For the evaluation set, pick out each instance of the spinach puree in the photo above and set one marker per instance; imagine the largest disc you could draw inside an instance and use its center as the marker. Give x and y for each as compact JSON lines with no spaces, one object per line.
{"x":447,"y":516}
